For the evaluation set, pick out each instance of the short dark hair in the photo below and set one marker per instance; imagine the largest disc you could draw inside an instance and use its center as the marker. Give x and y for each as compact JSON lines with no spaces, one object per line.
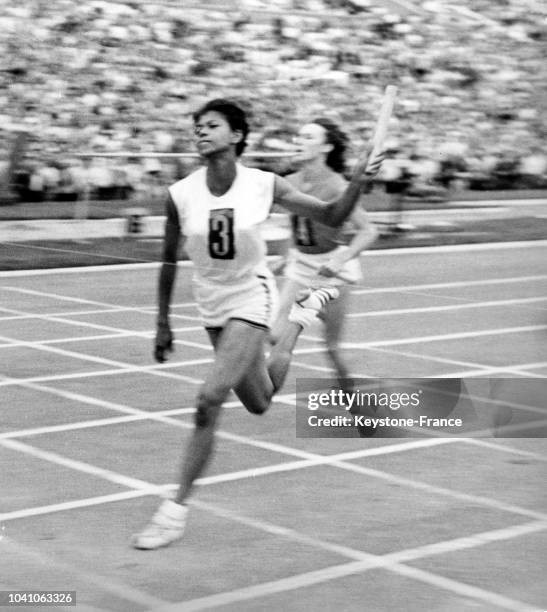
{"x":234,"y":114}
{"x":336,"y":158}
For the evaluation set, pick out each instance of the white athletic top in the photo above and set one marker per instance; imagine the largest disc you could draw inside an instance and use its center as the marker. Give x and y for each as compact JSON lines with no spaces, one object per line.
{"x":222,"y":234}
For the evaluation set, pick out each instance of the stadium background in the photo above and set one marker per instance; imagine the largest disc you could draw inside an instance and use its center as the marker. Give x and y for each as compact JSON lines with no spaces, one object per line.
{"x":124,"y":77}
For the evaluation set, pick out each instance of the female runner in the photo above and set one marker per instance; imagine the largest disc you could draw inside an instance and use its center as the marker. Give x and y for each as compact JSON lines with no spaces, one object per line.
{"x":317,"y":255}
{"x":218,"y":210}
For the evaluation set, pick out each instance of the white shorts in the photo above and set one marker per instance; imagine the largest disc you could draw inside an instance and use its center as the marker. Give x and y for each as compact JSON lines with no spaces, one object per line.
{"x":303,"y":268}
{"x":255,"y":301}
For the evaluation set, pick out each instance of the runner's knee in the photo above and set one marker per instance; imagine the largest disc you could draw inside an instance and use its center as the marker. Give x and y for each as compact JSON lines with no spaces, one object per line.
{"x":207,"y":407}
{"x":257,"y":407}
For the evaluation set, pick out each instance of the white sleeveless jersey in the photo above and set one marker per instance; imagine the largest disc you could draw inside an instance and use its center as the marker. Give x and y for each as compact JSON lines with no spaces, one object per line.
{"x":223,"y":240}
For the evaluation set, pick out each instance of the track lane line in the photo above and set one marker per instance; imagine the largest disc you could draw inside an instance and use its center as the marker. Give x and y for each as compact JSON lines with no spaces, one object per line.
{"x":68,"y":313}
{"x":501,"y":331}
{"x":102,"y":360}
{"x":367,"y":561}
{"x":361,"y":562}
{"x":336,"y":463}
{"x":505,"y":449}
{"x":459,"y":248}
{"x":286,"y":466}
{"x":449,"y":307}
{"x":10,"y":382}
{"x":148,"y":310}
{"x":108,"y":328}
{"x":344,"y":465}
{"x":513,"y":368}
{"x":487,"y":246}
{"x":450,"y":285}
{"x":68,"y":340}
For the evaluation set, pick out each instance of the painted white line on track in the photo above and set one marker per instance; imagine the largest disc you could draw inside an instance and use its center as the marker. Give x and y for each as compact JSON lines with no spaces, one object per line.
{"x":101,"y":327}
{"x":469,"y":364}
{"x":175,"y":315}
{"x":71,"y":322}
{"x":466,"y":542}
{"x":490,"y":372}
{"x":479,"y":368}
{"x":65,"y":298}
{"x":458,"y":248}
{"x":527,"y":366}
{"x":333,"y":572}
{"x":134,"y":413}
{"x":153,"y":416}
{"x":420,"y":575}
{"x":73,"y":464}
{"x":443,"y":491}
{"x":122,"y":334}
{"x":17,"y":382}
{"x":362,"y":562}
{"x":76,"y":504}
{"x":112,"y":372}
{"x":287,"y":466}
{"x":328,"y":460}
{"x":85,"y":324}
{"x":92,"y":423}
{"x":84,"y":269}
{"x":295,"y":452}
{"x":520,"y":370}
{"x":505,"y":449}
{"x":282,"y":449}
{"x":436,"y":338}
{"x":451,"y":285}
{"x":99,"y":360}
{"x":529,"y":244}
{"x":295,"y":582}
{"x":473,"y":499}
{"x":68,"y":313}
{"x":450,"y":307}
{"x":372,"y":290}
{"x":464,"y":589}
{"x":511,"y":202}
{"x":68,"y":340}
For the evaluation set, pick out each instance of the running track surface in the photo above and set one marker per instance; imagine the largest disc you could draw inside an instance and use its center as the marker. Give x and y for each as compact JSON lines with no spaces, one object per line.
{"x":91,"y":430}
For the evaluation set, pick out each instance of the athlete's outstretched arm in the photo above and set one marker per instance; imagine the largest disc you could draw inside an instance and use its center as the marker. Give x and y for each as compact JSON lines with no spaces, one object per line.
{"x":329,"y":213}
{"x":365,"y":235}
{"x":168,"y":272}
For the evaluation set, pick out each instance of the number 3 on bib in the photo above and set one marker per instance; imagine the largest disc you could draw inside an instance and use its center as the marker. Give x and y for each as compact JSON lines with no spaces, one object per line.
{"x":221,"y":233}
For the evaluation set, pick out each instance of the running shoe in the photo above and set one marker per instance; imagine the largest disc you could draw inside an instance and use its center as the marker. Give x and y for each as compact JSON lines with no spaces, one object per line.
{"x":166,"y":526}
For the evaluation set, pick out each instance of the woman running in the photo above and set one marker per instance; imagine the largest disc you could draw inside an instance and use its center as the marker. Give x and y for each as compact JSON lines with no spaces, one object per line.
{"x":218,"y":210}
{"x":316,"y":255}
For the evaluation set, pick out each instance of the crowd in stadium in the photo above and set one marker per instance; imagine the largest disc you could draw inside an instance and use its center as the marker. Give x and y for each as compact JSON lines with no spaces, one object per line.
{"x":105,"y":76}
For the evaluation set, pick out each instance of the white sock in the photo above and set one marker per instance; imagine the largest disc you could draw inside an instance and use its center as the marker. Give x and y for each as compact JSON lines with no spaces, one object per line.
{"x":172,"y":511}
{"x":304,"y":311}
